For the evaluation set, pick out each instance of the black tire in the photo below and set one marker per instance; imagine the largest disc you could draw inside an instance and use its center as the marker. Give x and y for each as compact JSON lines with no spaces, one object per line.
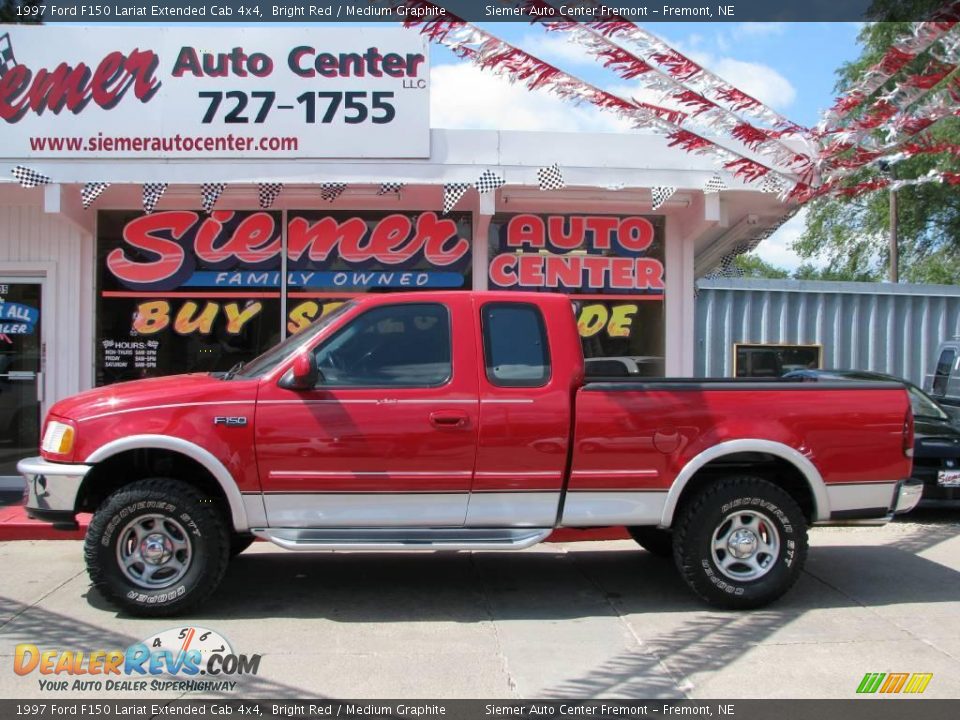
{"x":706,"y":516}
{"x":240,"y":542}
{"x":170,"y":506}
{"x":654,"y":540}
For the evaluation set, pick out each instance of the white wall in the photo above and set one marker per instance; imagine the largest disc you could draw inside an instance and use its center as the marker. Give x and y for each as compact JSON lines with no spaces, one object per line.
{"x":33,"y":242}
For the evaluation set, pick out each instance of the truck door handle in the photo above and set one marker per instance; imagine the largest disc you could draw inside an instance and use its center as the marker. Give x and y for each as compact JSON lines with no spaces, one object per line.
{"x":449,"y":419}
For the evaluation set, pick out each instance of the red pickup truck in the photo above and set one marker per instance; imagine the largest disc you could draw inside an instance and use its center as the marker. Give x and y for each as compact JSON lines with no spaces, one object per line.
{"x":461,"y":421}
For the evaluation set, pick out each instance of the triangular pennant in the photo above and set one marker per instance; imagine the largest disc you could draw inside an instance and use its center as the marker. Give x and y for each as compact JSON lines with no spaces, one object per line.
{"x":714,"y":184}
{"x":661,"y":194}
{"x":209,"y":194}
{"x":268,"y":192}
{"x":550,"y":178}
{"x":390,"y":187}
{"x":489,"y":181}
{"x":90,"y":192}
{"x":152,"y":192}
{"x":29,"y":178}
{"x":332,"y":190}
{"x":452,"y":192}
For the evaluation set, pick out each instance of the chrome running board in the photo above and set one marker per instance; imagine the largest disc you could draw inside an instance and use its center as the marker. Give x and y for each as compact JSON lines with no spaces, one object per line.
{"x":403,"y":538}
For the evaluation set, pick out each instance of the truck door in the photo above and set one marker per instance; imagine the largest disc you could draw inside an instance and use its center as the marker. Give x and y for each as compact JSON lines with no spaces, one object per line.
{"x":388,"y":436}
{"x":525,"y":407}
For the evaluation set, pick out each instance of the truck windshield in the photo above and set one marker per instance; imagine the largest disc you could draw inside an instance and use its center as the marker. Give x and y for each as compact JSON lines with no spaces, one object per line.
{"x":278,"y":353}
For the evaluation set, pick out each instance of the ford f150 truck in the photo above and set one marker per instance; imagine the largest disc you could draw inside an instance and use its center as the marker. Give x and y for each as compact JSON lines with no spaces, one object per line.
{"x":460,"y":421}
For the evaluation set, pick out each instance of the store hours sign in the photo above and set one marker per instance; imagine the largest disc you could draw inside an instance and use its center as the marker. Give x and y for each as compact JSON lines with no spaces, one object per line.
{"x":176,"y":92}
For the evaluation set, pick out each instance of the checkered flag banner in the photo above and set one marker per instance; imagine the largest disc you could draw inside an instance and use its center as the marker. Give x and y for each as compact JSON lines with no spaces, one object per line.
{"x":268,"y":192}
{"x":332,"y":190}
{"x":489,"y":181}
{"x":90,"y":192}
{"x":452,"y":192}
{"x":661,"y":194}
{"x":771,"y":184}
{"x":29,"y":178}
{"x":209,"y":194}
{"x":152,"y":192}
{"x":7,"y":60}
{"x":390,"y":187}
{"x":714,"y":184}
{"x":550,"y":178}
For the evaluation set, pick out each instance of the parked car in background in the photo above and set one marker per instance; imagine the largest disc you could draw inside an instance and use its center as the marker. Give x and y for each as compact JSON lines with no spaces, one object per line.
{"x":623,"y":366}
{"x":936,"y":451}
{"x":943,"y":383}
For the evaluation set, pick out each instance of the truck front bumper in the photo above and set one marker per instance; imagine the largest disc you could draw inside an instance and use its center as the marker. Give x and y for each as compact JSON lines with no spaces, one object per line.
{"x":52,"y":490}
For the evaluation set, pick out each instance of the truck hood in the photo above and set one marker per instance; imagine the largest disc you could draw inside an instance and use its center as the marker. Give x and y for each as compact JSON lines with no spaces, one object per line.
{"x":159,"y":392}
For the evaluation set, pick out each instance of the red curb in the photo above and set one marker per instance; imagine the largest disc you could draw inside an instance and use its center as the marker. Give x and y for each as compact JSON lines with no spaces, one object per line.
{"x":15,"y":525}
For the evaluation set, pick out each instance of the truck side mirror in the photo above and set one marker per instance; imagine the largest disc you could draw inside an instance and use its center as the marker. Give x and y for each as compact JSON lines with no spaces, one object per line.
{"x":304,"y":375}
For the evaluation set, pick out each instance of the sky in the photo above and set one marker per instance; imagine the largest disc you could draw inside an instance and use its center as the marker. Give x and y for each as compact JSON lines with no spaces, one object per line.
{"x":789,"y":66}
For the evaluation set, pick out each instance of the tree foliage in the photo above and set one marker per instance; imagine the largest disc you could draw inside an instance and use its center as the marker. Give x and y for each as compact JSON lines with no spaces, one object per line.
{"x":851,"y":234}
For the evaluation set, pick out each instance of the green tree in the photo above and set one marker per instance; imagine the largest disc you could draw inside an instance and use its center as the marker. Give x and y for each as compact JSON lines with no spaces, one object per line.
{"x":8,"y":11}
{"x":851,"y":234}
{"x":752,"y":266}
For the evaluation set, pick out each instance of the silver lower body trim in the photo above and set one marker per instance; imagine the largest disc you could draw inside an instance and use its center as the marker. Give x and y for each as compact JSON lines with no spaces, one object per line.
{"x":375,"y":510}
{"x":51,"y":487}
{"x":587,"y":509}
{"x":404,"y":538}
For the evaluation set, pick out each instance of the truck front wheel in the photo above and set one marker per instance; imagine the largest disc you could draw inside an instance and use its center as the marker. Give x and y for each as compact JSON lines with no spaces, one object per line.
{"x":156,"y":547}
{"x":741,"y":542}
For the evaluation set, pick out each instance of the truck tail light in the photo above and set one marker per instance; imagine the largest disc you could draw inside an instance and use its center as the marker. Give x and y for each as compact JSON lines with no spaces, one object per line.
{"x":908,"y":433}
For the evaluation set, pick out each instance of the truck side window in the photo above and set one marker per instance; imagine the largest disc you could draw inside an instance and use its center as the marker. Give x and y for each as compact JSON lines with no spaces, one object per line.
{"x":942,"y":372}
{"x":515,"y":345}
{"x":404,"y":345}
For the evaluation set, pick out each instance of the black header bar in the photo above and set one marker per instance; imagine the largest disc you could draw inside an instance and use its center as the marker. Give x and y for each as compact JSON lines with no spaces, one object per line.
{"x":333,"y":11}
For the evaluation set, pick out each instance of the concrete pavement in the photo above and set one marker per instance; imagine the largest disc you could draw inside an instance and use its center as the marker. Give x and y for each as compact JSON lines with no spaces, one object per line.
{"x":595,"y":619}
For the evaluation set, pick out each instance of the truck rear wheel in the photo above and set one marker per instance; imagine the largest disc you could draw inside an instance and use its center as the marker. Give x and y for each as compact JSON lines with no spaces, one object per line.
{"x":654,"y":540}
{"x":156,"y":547}
{"x":741,"y":542}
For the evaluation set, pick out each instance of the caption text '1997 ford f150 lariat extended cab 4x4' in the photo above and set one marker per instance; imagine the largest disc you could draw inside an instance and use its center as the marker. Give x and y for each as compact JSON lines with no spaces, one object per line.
{"x":460,"y":421}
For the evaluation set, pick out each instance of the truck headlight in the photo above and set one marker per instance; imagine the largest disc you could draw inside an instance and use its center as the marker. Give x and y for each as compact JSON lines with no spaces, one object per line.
{"x":58,"y":438}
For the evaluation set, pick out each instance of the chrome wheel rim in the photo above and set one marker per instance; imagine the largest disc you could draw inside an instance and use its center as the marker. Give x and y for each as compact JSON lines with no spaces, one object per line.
{"x":154,"y":551}
{"x":745,"y":545}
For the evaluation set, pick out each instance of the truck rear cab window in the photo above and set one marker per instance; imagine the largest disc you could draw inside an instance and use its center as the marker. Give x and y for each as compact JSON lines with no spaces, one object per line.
{"x":515,"y":345}
{"x":403,"y":345}
{"x":942,"y":373}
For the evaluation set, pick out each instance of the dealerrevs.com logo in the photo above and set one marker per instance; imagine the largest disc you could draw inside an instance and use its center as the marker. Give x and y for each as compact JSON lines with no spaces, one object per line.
{"x":894,"y":683}
{"x":188,"y":659}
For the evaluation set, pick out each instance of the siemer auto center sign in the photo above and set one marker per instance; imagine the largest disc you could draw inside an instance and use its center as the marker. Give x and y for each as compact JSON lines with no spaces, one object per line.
{"x":153,"y":92}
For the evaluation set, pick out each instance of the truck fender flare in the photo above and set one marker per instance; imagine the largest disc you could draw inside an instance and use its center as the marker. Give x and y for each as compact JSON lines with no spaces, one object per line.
{"x":184,"y":447}
{"x":821,"y":500}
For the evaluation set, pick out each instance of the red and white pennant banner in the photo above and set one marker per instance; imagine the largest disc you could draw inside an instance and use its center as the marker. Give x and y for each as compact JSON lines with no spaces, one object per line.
{"x":896,"y":58}
{"x":490,"y":53}
{"x":695,"y":108}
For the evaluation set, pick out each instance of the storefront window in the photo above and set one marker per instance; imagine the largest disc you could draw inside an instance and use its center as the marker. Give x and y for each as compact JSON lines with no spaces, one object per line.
{"x":335,"y":255}
{"x":182,"y":291}
{"x":611,"y":265}
{"x":774,"y":360}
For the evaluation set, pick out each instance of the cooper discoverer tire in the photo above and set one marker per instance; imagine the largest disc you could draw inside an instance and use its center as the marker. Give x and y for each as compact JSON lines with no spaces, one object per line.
{"x":156,"y":547}
{"x":741,"y":542}
{"x":654,"y":540}
{"x":240,"y":542}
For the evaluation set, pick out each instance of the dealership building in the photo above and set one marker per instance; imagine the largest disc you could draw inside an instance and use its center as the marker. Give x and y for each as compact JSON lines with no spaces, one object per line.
{"x":127,"y":258}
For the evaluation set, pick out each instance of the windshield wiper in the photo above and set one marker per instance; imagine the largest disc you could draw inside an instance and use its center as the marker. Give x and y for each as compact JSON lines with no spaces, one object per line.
{"x":233,"y":371}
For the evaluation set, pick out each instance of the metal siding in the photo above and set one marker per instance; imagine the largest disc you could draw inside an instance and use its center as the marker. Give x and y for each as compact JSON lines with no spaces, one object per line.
{"x":28,"y":235}
{"x":868,"y":326}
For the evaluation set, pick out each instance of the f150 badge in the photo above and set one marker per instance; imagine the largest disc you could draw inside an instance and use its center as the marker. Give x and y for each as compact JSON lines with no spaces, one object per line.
{"x":230,"y":420}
